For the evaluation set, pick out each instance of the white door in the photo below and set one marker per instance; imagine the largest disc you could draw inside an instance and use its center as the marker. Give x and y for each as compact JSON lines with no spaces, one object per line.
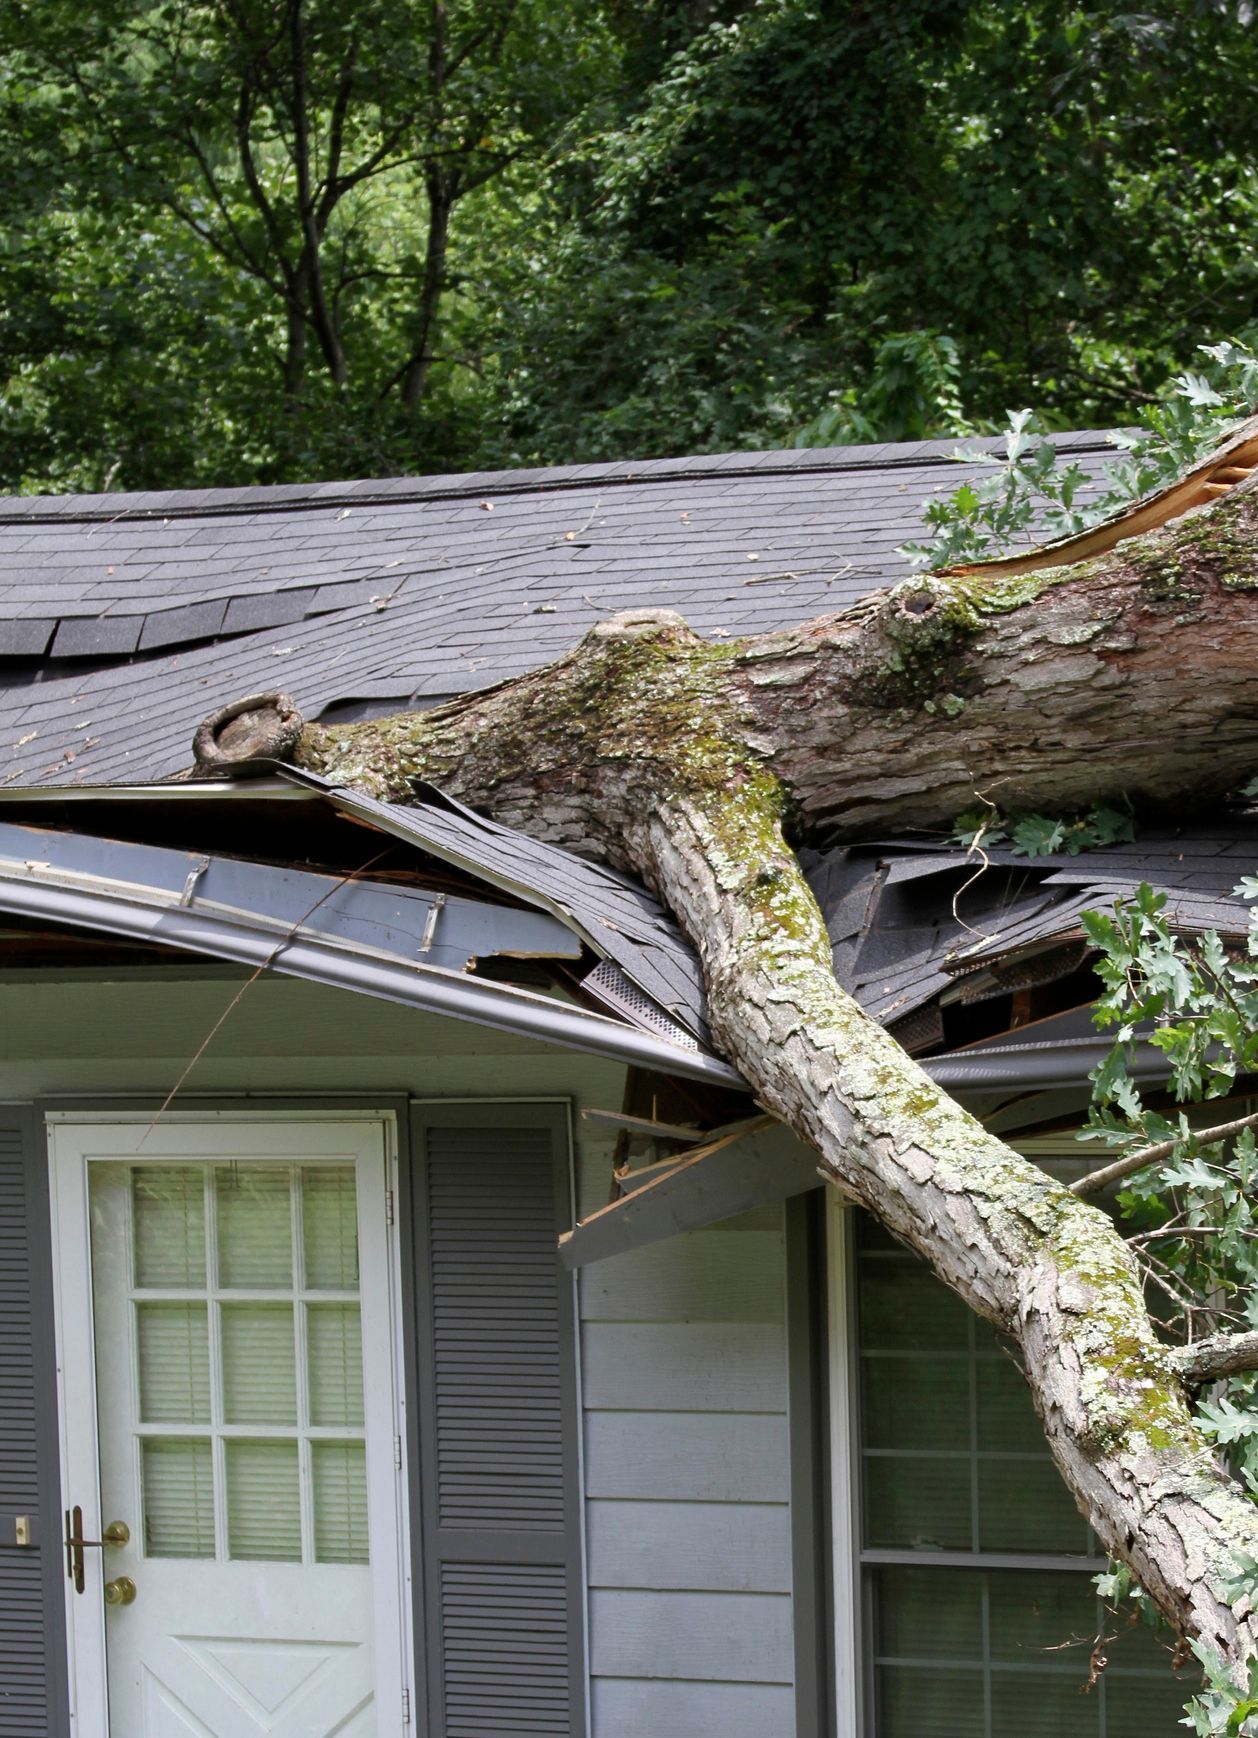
{"x":225,"y":1307}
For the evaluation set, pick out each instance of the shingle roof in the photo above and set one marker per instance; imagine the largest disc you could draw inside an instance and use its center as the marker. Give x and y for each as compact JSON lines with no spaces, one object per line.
{"x":126,"y":619}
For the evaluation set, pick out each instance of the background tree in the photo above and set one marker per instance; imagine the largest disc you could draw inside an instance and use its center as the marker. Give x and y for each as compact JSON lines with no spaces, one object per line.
{"x":292,"y":177}
{"x":248,"y":240}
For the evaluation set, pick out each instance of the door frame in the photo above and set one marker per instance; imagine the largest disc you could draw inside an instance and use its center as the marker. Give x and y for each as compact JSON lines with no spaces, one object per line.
{"x":391,"y":1577}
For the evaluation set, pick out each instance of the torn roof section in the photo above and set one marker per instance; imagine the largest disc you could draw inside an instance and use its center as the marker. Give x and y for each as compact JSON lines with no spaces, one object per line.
{"x":437,"y":908}
{"x":983,"y":973}
{"x":926,"y":937}
{"x":125,"y":620}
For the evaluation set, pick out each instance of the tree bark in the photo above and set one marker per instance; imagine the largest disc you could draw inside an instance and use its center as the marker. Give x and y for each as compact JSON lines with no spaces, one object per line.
{"x":1133,"y":675}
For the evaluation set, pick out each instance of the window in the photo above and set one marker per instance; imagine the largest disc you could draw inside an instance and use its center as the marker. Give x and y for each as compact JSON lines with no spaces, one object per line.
{"x":978,"y":1606}
{"x":244,"y":1308}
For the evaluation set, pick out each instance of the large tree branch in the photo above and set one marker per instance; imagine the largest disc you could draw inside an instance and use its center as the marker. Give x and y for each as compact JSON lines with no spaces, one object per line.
{"x":678,"y":760}
{"x":1220,"y":1355}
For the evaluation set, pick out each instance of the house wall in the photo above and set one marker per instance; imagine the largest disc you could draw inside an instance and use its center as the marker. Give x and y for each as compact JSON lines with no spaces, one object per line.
{"x":688,"y":1482}
{"x":684,"y":1346}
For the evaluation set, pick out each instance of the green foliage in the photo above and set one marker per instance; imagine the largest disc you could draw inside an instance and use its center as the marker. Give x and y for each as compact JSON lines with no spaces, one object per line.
{"x":1031,"y":494}
{"x":1194,"y":1213}
{"x":913,"y":391}
{"x":271,"y":240}
{"x":1223,"y":1709}
{"x":1035,"y":835}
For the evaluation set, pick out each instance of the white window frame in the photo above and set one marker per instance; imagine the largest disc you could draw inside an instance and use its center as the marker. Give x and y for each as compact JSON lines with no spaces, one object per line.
{"x":391,"y":1573}
{"x":844,"y":1533}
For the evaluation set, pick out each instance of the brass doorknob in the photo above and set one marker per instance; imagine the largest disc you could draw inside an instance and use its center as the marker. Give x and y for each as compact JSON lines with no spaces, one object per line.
{"x":120,"y":1591}
{"x":116,"y":1533}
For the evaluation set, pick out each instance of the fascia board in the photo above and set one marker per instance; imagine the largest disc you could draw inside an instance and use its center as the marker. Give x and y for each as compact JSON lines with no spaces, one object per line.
{"x":430,"y":989}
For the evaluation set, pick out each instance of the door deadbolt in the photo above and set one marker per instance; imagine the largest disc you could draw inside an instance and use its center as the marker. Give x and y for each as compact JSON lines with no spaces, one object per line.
{"x":120,"y":1591}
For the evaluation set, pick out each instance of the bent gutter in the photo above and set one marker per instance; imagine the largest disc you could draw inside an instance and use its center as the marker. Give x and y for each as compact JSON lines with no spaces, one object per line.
{"x":437,"y":990}
{"x":118,"y":910}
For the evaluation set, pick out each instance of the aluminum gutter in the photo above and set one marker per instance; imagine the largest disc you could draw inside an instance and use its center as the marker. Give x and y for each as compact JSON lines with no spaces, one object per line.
{"x":1060,"y":1062}
{"x":147,"y":915}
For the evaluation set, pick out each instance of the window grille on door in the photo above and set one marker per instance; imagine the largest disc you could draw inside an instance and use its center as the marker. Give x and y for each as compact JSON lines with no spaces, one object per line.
{"x":244,"y":1313}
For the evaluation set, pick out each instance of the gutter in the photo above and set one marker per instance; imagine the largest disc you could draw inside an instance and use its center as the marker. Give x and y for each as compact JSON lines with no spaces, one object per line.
{"x":116,"y":909}
{"x":1053,"y":1062}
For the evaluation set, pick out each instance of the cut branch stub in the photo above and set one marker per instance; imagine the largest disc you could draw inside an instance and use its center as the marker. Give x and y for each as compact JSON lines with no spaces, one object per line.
{"x":247,"y":736}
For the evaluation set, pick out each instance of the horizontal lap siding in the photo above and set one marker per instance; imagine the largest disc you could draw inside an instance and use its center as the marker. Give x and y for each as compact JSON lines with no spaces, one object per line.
{"x":31,"y":1653}
{"x":632,"y":1708}
{"x":685,"y":1391}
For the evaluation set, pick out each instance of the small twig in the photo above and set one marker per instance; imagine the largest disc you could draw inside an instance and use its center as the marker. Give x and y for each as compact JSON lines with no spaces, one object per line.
{"x":1208,"y":1137}
{"x":976,"y":845}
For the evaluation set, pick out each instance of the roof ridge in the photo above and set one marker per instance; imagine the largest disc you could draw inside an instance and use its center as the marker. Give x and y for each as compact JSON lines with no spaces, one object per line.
{"x":374,"y":492}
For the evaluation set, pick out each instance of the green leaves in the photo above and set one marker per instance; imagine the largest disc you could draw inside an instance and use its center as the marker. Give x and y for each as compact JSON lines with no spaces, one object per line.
{"x":1225,"y":1709}
{"x":1032,"y":489}
{"x":1044,"y":835}
{"x":1193,"y":1214}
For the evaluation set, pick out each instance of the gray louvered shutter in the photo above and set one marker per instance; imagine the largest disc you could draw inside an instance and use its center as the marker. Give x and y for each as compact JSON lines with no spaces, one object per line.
{"x":498,"y":1423}
{"x":32,"y":1649}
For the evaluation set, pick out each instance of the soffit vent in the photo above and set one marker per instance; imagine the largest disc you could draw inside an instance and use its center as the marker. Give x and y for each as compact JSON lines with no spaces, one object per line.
{"x":609,"y":986}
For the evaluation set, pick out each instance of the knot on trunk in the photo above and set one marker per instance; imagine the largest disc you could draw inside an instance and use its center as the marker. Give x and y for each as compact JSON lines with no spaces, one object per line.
{"x":920,"y":611}
{"x":247,"y":736}
{"x":643,"y":624}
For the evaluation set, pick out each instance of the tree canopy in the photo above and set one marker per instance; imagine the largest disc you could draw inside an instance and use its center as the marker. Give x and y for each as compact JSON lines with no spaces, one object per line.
{"x":255,"y":240}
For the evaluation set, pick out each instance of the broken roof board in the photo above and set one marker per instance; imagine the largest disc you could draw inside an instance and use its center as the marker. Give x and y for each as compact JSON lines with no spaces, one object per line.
{"x":618,"y":919}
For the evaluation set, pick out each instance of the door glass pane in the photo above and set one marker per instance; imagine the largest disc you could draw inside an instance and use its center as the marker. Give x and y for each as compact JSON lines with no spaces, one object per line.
{"x":255,"y":1240}
{"x":243,"y":1384}
{"x":173,"y":1356}
{"x":340,"y":1501}
{"x":263,"y":1501}
{"x":259,"y":1366}
{"x":335,"y":1348}
{"x":168,"y":1221}
{"x":178,"y":1480}
{"x":330,"y":1227}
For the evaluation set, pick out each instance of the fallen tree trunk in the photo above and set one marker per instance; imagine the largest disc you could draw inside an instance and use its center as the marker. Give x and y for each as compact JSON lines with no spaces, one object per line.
{"x":1133,"y":674}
